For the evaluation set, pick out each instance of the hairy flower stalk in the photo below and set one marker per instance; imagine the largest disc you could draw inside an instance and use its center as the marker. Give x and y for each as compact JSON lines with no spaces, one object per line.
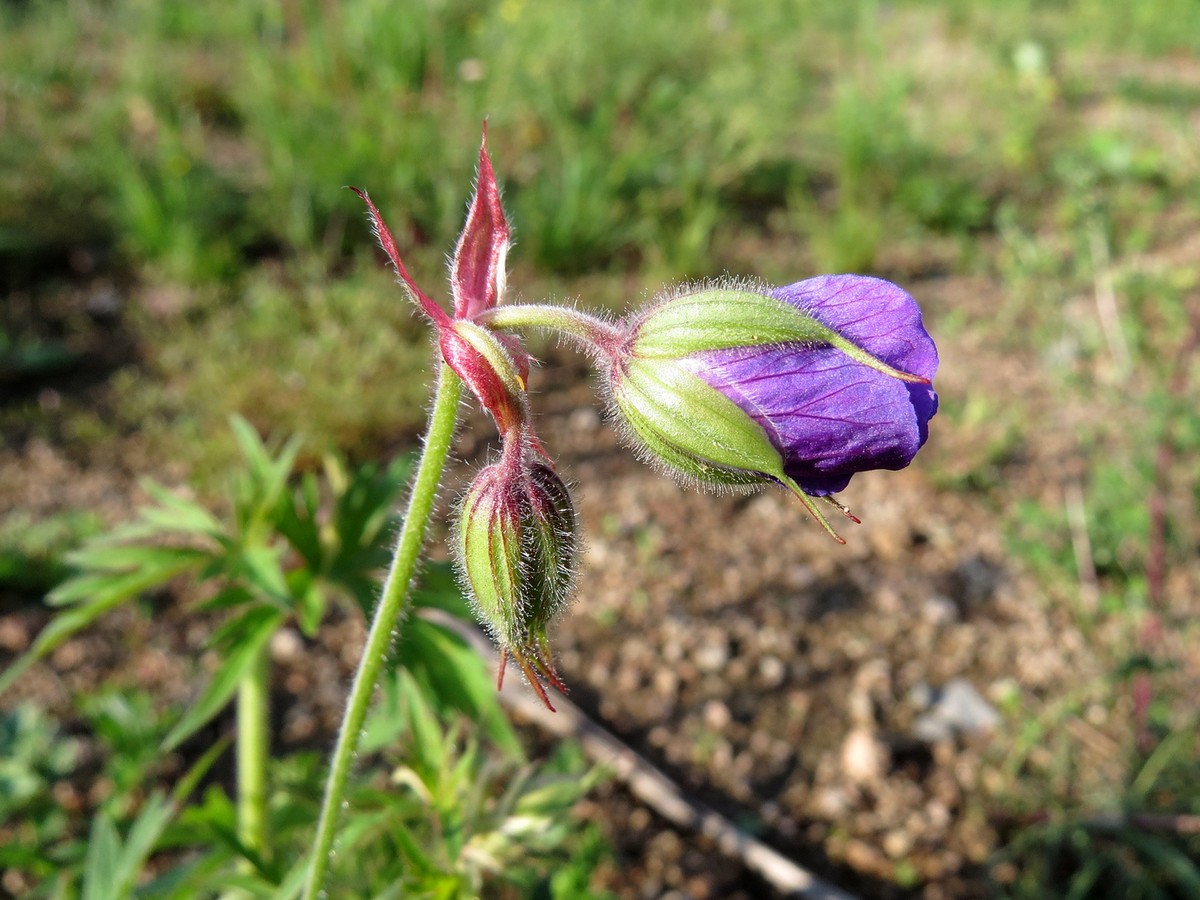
{"x":737,"y":385}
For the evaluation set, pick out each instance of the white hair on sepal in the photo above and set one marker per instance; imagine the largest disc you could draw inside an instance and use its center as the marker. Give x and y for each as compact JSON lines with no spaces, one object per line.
{"x":630,"y":438}
{"x":682,"y":289}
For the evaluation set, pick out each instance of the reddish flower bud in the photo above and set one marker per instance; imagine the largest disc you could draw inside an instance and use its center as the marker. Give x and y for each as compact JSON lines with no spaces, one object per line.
{"x":494,"y":367}
{"x":477,"y":270}
{"x":485,"y":361}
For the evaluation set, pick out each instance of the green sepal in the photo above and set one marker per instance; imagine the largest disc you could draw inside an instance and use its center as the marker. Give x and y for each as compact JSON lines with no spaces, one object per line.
{"x":718,"y":319}
{"x":551,"y":545}
{"x":703,"y":432}
{"x":699,"y":432}
{"x":723,"y":319}
{"x":516,"y":546}
{"x":489,"y":555}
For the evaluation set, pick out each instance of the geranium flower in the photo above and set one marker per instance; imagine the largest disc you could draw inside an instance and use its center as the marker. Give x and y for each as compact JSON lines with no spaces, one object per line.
{"x":828,"y":414}
{"x":804,"y":385}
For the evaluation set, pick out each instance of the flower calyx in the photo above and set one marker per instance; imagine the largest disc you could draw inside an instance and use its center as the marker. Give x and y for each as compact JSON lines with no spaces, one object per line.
{"x":494,"y":367}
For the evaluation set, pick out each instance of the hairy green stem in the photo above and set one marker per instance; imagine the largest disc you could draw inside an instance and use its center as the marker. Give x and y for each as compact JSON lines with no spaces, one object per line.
{"x":594,"y":333}
{"x":440,"y":434}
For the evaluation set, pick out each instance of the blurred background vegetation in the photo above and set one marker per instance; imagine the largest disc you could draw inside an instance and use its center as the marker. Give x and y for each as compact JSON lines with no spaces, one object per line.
{"x":176,"y":248}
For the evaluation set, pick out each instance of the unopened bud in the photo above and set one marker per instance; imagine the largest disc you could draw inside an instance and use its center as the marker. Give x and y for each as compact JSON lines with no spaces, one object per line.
{"x":516,"y":547}
{"x":804,"y":385}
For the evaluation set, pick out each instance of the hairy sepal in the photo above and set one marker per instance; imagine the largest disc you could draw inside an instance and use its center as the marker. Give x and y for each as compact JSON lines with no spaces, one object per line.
{"x":723,"y":318}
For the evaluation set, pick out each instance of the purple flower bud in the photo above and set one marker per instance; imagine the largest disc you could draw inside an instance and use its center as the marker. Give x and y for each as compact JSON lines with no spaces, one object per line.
{"x":804,"y":385}
{"x":516,"y":547}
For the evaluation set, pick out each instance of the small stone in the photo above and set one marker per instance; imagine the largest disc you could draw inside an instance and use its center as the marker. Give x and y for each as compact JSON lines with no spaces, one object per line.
{"x":939,"y":610}
{"x":14,"y":635}
{"x":640,"y":819}
{"x":666,"y":683}
{"x":584,"y":420}
{"x":897,"y":843}
{"x":286,"y":645}
{"x":712,"y":655}
{"x":938,"y":814}
{"x":831,"y":803}
{"x":717,"y":715}
{"x":864,"y":757}
{"x":957,"y":709}
{"x":921,"y":695}
{"x":771,"y":671}
{"x":862,"y":856}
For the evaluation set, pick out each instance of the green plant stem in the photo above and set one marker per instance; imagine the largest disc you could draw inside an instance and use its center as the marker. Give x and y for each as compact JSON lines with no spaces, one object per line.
{"x":384,"y":626}
{"x":592,"y":332}
{"x":253,"y":720}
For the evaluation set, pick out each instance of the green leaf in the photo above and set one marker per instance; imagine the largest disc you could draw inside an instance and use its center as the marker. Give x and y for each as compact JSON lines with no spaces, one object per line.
{"x":438,"y":589}
{"x":363,"y":524}
{"x":364,"y":509}
{"x":257,"y":496}
{"x":429,"y":746}
{"x":110,"y":588}
{"x":253,"y":451}
{"x":174,"y":514}
{"x":454,"y":675}
{"x":100,"y":865}
{"x":412,"y":851}
{"x":554,"y":793}
{"x":201,"y":822}
{"x":227,"y":598}
{"x":106,"y":591}
{"x":100,"y":556}
{"x":260,"y":566}
{"x":299,"y":525}
{"x":293,"y":882}
{"x":310,"y":608}
{"x":140,"y":842}
{"x":253,"y":629}
{"x":385,"y":721}
{"x":1166,"y":860}
{"x":191,"y":779}
{"x":1084,"y":879}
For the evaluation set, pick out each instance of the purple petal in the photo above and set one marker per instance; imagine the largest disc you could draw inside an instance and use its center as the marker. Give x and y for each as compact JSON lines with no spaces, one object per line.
{"x":875,"y":314}
{"x":828,"y":415}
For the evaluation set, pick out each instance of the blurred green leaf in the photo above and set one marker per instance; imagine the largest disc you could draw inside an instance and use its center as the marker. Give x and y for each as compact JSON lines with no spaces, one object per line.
{"x":67,"y":623}
{"x":454,"y":675}
{"x":262,"y":568}
{"x":174,"y":514}
{"x":427,"y":742}
{"x":244,"y":639}
{"x":104,"y":557}
{"x":100,"y":873}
